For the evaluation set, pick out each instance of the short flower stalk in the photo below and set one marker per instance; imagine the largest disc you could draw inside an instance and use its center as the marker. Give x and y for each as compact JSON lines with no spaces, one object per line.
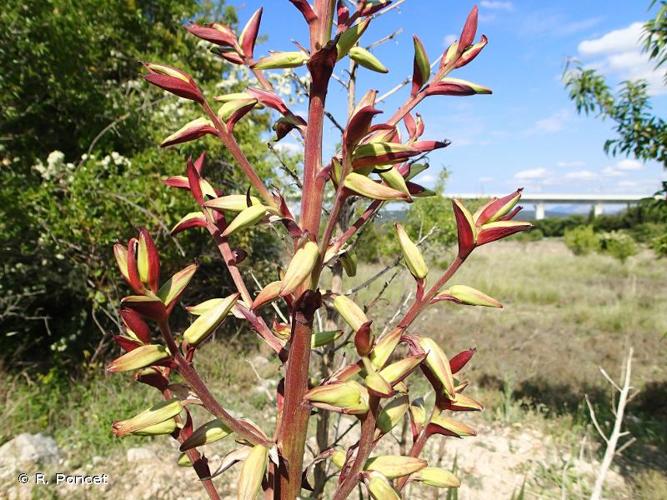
{"x":375,"y":164}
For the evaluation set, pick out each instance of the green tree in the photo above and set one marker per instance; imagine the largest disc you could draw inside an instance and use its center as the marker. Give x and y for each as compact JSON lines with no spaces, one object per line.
{"x":79,"y":166}
{"x":638,"y":131}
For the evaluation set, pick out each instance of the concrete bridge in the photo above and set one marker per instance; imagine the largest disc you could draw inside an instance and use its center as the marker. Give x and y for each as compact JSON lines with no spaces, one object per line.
{"x":539,"y":200}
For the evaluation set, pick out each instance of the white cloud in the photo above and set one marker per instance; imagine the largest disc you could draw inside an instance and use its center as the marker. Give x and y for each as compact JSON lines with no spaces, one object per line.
{"x":496,"y":5}
{"x":288,"y":147}
{"x":553,"y":123}
{"x":629,"y":165}
{"x":581,"y":175}
{"x":610,"y":171}
{"x":571,"y":164}
{"x":613,"y":42}
{"x":621,"y":167}
{"x":532,"y":174}
{"x":618,"y":53}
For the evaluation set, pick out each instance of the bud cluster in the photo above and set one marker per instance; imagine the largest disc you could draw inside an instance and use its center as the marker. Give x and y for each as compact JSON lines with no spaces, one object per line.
{"x":376,"y":163}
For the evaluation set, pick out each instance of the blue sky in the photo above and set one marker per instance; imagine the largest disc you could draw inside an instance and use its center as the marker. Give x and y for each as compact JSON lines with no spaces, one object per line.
{"x":527,"y":133}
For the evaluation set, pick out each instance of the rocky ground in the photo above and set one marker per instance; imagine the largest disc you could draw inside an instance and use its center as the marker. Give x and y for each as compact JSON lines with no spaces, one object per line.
{"x":492,"y":466}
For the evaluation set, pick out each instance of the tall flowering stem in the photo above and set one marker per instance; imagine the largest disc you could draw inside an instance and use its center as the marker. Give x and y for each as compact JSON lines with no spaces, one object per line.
{"x":376,"y":164}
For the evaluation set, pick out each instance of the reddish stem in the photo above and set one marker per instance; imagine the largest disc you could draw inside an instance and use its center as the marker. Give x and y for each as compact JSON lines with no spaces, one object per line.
{"x":257,"y":322}
{"x":199,"y":387}
{"x":366,"y":444}
{"x":296,"y":411}
{"x":230,"y":143}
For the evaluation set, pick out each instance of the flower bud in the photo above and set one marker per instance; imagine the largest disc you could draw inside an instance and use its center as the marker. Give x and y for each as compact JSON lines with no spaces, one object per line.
{"x":467,"y":232}
{"x":252,"y":473}
{"x":421,"y":71}
{"x":362,"y":185}
{"x":502,"y":229}
{"x":135,"y":326}
{"x":385,"y":153}
{"x":392,"y":414}
{"x":394,"y":466}
{"x":469,"y":28}
{"x":190,"y":220}
{"x":120,"y":253}
{"x":456,"y":87}
{"x":140,"y":357}
{"x":472,"y":52}
{"x":190,"y":131}
{"x":209,"y":321}
{"x":461,"y":359}
{"x":161,"y":412}
{"x":172,"y":290}
{"x":281,"y":60}
{"x":350,"y":37}
{"x":166,"y":427}
{"x":366,"y":59}
{"x":380,"y":488}
{"x":418,"y":412}
{"x":392,"y":177}
{"x":210,"y":432}
{"x":450,"y":54}
{"x":399,"y":370}
{"x":437,"y":476}
{"x":364,"y":339}
{"x":319,"y":339}
{"x":461,"y":402}
{"x":232,"y":111}
{"x":411,"y":254}
{"x":248,"y":36}
{"x":350,"y":312}
{"x":232,"y":202}
{"x":216,"y":33}
{"x":148,"y":306}
{"x":349,"y":262}
{"x":184,"y":460}
{"x":173,"y":80}
{"x":385,"y":347}
{"x":437,"y":363}
{"x":497,"y":208}
{"x":267,"y":294}
{"x":302,"y":264}
{"x":246,"y":218}
{"x":377,"y":385}
{"x":346,"y":397}
{"x":449,"y":427}
{"x":462,"y":294}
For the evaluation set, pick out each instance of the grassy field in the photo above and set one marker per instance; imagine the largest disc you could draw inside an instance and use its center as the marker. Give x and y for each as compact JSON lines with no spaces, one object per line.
{"x":564,"y":317}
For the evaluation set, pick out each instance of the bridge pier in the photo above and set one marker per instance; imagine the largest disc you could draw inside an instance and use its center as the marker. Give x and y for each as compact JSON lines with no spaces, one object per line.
{"x":598,"y":209}
{"x":539,"y":211}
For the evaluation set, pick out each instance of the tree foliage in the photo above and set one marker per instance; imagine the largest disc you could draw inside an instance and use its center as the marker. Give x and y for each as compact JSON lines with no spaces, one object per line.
{"x":77,"y":130}
{"x":638,"y":131}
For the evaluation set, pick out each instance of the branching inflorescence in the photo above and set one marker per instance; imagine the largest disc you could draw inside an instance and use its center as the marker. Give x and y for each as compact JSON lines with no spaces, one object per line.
{"x":373,"y":387}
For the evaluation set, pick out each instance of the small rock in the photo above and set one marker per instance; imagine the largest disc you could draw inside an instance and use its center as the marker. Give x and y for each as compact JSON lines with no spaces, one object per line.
{"x":97,"y":460}
{"x":29,"y":449}
{"x":140,"y":455}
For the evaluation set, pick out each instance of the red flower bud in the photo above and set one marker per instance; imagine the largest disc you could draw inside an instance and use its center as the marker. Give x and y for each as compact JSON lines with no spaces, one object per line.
{"x":216,"y":33}
{"x":469,"y":29}
{"x":248,"y":36}
{"x":173,"y":80}
{"x":461,"y":359}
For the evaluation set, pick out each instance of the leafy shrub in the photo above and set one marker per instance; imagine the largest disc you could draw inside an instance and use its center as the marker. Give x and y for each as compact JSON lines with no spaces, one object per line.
{"x":619,"y":245}
{"x":659,"y":245}
{"x":582,"y":240}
